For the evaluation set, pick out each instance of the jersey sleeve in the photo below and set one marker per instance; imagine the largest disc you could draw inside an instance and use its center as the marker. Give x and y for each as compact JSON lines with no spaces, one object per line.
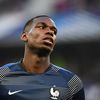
{"x":4,"y":70}
{"x":76,"y":88}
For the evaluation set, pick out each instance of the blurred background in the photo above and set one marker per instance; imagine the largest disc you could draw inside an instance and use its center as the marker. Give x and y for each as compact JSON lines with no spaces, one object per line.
{"x":78,"y":38}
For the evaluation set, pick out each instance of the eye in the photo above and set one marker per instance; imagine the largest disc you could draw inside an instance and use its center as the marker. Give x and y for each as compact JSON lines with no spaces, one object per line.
{"x":41,"y":27}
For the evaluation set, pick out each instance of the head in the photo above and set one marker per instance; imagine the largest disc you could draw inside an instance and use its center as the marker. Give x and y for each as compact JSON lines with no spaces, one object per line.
{"x":39,"y":34}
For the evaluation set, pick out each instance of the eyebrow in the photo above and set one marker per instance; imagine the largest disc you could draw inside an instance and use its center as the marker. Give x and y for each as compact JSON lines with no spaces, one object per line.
{"x":42,"y":23}
{"x":46,"y":24}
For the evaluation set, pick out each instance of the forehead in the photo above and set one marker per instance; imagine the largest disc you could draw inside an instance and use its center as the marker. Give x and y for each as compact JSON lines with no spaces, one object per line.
{"x":45,"y":20}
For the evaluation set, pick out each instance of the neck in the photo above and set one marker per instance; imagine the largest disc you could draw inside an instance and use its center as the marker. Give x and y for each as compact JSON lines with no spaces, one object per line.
{"x":35,"y":63}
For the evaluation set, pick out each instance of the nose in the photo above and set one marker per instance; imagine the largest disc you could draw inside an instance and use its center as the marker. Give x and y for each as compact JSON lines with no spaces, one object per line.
{"x":49,"y":31}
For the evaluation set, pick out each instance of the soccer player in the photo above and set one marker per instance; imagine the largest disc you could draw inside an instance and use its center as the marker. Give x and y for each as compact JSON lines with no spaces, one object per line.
{"x":35,"y":77}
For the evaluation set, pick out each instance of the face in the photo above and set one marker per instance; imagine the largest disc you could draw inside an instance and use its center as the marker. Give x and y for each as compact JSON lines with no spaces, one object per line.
{"x":42,"y":34}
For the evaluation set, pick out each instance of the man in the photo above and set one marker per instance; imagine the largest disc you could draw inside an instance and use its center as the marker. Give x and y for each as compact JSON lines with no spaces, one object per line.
{"x":35,"y":77}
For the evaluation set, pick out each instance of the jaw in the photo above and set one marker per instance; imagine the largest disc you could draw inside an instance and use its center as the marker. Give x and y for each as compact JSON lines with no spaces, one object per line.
{"x":43,"y":51}
{"x":40,"y":49}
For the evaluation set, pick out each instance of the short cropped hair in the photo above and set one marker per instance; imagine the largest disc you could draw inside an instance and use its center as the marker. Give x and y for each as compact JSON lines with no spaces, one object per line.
{"x":29,"y":23}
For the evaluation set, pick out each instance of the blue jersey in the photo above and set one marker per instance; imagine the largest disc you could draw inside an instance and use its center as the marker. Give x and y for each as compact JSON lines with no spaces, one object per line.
{"x":55,"y":84}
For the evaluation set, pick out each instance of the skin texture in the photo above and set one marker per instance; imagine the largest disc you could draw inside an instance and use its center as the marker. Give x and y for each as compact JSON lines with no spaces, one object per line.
{"x":40,"y":39}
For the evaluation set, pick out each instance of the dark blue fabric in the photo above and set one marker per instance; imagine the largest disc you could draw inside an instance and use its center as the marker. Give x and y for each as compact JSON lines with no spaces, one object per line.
{"x":36,"y":86}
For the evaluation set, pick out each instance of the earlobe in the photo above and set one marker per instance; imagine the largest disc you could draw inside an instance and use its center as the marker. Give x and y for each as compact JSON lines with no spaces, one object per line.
{"x":23,"y":37}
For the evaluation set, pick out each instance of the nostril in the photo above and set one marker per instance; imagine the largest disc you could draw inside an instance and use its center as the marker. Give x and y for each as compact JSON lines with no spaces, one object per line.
{"x":50,"y":33}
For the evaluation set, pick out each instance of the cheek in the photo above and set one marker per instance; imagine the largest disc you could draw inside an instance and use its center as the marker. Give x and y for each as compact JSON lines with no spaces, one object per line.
{"x":34,"y":37}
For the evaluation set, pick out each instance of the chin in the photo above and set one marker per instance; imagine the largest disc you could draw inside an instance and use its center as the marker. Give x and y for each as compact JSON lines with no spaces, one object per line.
{"x":45,"y":50}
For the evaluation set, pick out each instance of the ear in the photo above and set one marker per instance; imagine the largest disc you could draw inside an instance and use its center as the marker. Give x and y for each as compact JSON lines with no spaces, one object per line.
{"x":23,"y":36}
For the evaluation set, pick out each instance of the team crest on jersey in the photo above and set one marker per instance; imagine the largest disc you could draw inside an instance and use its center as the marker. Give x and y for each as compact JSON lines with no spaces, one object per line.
{"x":54,"y":93}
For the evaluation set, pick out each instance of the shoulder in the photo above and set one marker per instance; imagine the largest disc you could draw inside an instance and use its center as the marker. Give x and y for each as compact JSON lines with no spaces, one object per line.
{"x":73,"y":81}
{"x":7,"y":66}
{"x":6,"y":69}
{"x":67,"y":73}
{"x":62,"y":71}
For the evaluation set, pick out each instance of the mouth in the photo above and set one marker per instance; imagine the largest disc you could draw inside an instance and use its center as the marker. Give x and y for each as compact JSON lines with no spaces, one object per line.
{"x":48,"y":40}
